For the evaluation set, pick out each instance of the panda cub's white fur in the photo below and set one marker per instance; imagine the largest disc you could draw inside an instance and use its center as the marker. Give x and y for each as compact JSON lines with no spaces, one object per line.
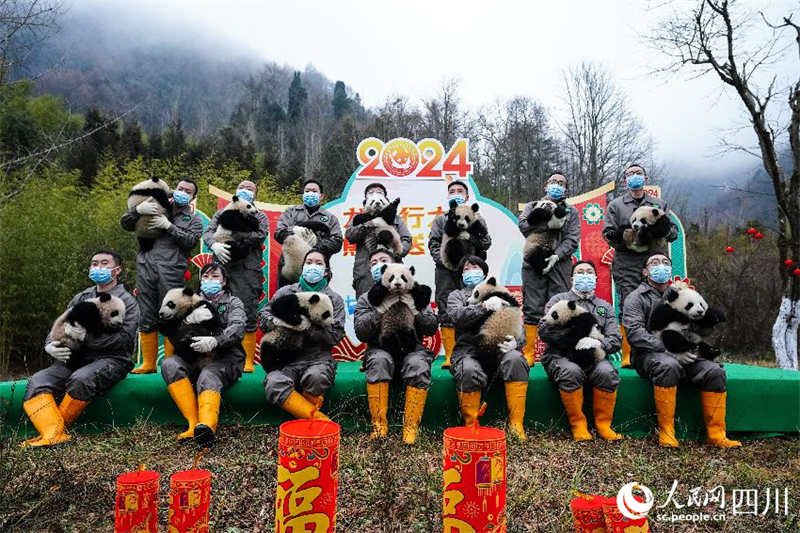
{"x":578,"y":323}
{"x":238,"y":218}
{"x":93,"y":314}
{"x":681,"y":321}
{"x":397,"y":334}
{"x":381,"y":216}
{"x":153,"y":190}
{"x":499,"y":324}
{"x":648,"y":231}
{"x":304,"y":237}
{"x":540,"y":245}
{"x":460,"y":225}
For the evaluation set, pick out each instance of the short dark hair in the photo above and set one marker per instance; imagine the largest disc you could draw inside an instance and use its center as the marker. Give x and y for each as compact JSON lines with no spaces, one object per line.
{"x":381,"y":249}
{"x":636,"y":165}
{"x":374,"y":185}
{"x":312,"y":180}
{"x":115,"y":255}
{"x":457,"y":182}
{"x":649,"y":257}
{"x":553,"y":173}
{"x":475,"y":260}
{"x":194,"y":184}
{"x":584,"y":262}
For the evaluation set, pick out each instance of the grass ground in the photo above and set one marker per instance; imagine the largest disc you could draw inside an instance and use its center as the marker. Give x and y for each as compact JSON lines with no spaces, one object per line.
{"x":383,"y":487}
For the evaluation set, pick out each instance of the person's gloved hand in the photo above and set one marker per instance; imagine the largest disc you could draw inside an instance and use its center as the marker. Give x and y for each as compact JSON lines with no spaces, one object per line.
{"x":588,"y":343}
{"x":201,"y":314}
{"x":222,"y":251}
{"x":77,"y":331}
{"x":58,"y":352}
{"x":302,"y":326}
{"x":203,"y":344}
{"x":147,"y":208}
{"x":507,"y":345}
{"x":307,"y":235}
{"x":551,"y":262}
{"x":159,"y":222}
{"x":686,"y":358}
{"x":494,"y":304}
{"x":387,"y":302}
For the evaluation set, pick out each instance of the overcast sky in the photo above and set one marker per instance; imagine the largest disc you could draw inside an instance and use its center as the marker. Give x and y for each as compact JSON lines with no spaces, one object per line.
{"x":497,"y":50}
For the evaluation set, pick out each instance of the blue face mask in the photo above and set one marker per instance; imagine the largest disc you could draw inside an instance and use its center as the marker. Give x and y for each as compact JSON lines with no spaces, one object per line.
{"x":245,"y":195}
{"x":634,"y":182}
{"x":211,"y":287}
{"x":457,"y":198}
{"x":584,"y":282}
{"x":100,"y":275}
{"x":660,"y":273}
{"x":472,"y":277}
{"x":313,"y":273}
{"x":375,"y":270}
{"x":311,"y":199}
{"x":181,"y":198}
{"x":555,"y":191}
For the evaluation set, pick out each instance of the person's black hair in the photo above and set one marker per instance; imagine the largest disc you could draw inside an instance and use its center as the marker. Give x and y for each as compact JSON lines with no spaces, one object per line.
{"x":475,"y":260}
{"x":194,"y":184}
{"x":214,"y":265}
{"x":636,"y":165}
{"x":373,"y":185}
{"x":115,"y":255}
{"x":312,"y":180}
{"x":584,"y":262}
{"x":325,"y":258}
{"x":553,"y":173}
{"x":649,"y":257}
{"x":457,"y":182}
{"x":384,"y":250}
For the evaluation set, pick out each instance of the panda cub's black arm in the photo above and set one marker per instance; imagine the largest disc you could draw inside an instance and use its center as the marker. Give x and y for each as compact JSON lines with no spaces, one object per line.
{"x":287,"y":308}
{"x":214,"y":324}
{"x":662,"y":316}
{"x":168,"y":328}
{"x":661,"y":228}
{"x":506,"y":297}
{"x":362,"y":218}
{"x":478,"y":230}
{"x":377,"y":293}
{"x":421,"y":295}
{"x":450,"y":228}
{"x":539,"y":215}
{"x":87,"y":315}
{"x":711,"y":319}
{"x":389,"y":213}
{"x":316,"y":227}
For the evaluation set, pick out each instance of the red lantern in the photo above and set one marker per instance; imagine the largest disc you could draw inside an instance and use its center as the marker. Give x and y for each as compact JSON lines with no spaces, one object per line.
{"x":789,"y":263}
{"x":730,"y":249}
{"x":189,"y":501}
{"x":759,"y":235}
{"x":616,"y":522}
{"x":796,"y":272}
{"x":587,"y":511}
{"x":308,"y":476}
{"x":137,"y":502}
{"x":474,"y":479}
{"x":187,"y":275}
{"x":752,"y":231}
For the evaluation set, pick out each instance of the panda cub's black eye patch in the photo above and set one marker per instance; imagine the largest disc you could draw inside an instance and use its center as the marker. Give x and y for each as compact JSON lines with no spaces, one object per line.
{"x":555,"y":315}
{"x":403,"y":277}
{"x":114,"y":313}
{"x":391,"y":278}
{"x":689,"y":305}
{"x":326,"y":314}
{"x":171,"y":305}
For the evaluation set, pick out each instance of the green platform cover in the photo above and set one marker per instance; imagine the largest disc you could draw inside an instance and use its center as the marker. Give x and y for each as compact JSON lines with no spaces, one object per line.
{"x":760,"y":400}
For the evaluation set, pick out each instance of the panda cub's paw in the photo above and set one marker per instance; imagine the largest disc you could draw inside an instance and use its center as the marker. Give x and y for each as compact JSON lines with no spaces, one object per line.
{"x":377,"y":293}
{"x":422,"y":296}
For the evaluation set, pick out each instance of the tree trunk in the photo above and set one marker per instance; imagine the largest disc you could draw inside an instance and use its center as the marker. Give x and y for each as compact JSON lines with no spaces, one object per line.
{"x":784,"y":334}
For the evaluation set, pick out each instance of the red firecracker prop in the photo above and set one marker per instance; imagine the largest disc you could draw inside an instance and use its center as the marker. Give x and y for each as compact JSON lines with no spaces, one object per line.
{"x":137,"y":502}
{"x":189,"y":500}
{"x":587,"y":511}
{"x":730,"y":249}
{"x":308,"y":476}
{"x":474,"y":479}
{"x":752,"y":231}
{"x":796,"y":272}
{"x":789,"y":263}
{"x":616,"y":522}
{"x":759,"y":236}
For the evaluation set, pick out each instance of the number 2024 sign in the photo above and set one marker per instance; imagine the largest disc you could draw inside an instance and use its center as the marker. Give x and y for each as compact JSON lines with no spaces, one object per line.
{"x":403,"y":158}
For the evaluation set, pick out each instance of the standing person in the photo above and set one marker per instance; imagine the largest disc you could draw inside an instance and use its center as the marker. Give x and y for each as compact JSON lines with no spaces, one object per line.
{"x":310,"y":210}
{"x":469,"y":374}
{"x":245,"y":275}
{"x":162,"y":267}
{"x":555,"y":279}
{"x":447,"y":280}
{"x":299,"y":386}
{"x":652,"y":361}
{"x":197,"y":389}
{"x":57,"y":395}
{"x":380,"y":365}
{"x":626,"y":269}
{"x":571,"y":378}
{"x":362,"y":279}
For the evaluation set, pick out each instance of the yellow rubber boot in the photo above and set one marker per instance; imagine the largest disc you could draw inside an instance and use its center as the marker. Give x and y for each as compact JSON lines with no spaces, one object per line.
{"x":470,"y":405}
{"x":626,"y":349}
{"x":46,"y":418}
{"x":299,"y":407}
{"x":378,"y":400}
{"x":415,"y":405}
{"x":183,"y":395}
{"x":71,"y":409}
{"x":249,"y":346}
{"x":207,"y":418}
{"x":516,"y":393}
{"x":665,"y":409}
{"x":603,"y":414}
{"x":714,"y":407}
{"x":448,"y":335}
{"x":316,"y":401}
{"x":169,"y":349}
{"x":148,"y":345}
{"x":529,"y":351}
{"x":573,"y":403}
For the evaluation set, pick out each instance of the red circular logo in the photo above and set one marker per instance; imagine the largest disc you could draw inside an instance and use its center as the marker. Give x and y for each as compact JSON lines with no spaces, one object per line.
{"x":400,"y":157}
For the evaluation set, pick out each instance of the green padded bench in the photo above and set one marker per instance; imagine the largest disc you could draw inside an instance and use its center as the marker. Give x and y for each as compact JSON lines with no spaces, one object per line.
{"x":761,"y":400}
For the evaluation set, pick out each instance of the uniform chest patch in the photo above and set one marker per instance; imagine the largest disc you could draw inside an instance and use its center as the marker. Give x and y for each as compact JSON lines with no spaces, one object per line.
{"x":657,"y":206}
{"x":324,"y":218}
{"x":187,"y":218}
{"x":601,"y":311}
{"x":221,"y":308}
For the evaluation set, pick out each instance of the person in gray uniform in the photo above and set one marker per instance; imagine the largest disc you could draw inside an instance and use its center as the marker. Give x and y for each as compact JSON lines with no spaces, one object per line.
{"x":310,"y":210}
{"x":380,"y":365}
{"x":355,"y":234}
{"x":469,"y":374}
{"x":245,"y":275}
{"x":57,"y":395}
{"x":447,"y":280}
{"x":666,"y":370}
{"x":196,"y":387}
{"x":626,"y":268}
{"x":571,"y":378}
{"x":162,"y":267}
{"x":312,"y":372}
{"x":555,"y":279}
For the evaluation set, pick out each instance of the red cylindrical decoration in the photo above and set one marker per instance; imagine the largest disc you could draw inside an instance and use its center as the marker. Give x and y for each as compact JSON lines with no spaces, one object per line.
{"x":137,"y":502}
{"x":616,"y":522}
{"x":308,"y":476}
{"x":189,"y":501}
{"x":587,"y":511}
{"x":474,"y":479}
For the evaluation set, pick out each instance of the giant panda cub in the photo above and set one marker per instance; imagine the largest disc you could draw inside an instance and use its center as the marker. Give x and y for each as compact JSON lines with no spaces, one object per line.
{"x":151,"y":190}
{"x":238,"y":218}
{"x":649,"y":229}
{"x":303,"y":238}
{"x":281,"y":345}
{"x":577,"y":323}
{"x":381,"y":213}
{"x":95,"y":315}
{"x":399,"y":298}
{"x":541,"y":245}
{"x":495,"y":326}
{"x":461,"y":223}
{"x":177,"y":305}
{"x":682,"y":320}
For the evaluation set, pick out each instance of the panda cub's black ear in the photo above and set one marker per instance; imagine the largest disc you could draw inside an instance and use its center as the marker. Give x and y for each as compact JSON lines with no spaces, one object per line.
{"x":314,"y":298}
{"x":235,"y":198}
{"x":105,"y":297}
{"x":572,"y":305}
{"x":475,"y":207}
{"x":187,"y":291}
{"x":655,"y":212}
{"x":411,"y":269}
{"x":492,"y":281}
{"x":155,"y":179}
{"x":384,"y":267}
{"x":672,"y":296}
{"x":453,"y":204}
